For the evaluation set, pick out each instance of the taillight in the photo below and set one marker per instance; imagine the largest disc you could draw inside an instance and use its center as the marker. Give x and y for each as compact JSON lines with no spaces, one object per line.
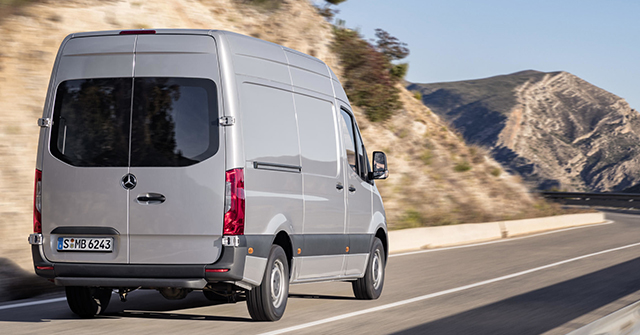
{"x":37,"y":203}
{"x":234,"y":202}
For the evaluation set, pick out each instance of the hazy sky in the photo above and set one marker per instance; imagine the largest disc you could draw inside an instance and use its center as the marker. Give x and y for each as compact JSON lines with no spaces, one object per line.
{"x":598,"y":41}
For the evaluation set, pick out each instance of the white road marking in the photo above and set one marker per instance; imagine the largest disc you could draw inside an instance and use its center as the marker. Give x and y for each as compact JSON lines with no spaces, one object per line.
{"x":498,"y":241}
{"x":32,"y":303}
{"x":441,"y":293}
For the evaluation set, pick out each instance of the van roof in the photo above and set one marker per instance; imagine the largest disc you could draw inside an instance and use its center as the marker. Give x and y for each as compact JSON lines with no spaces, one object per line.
{"x":210,"y":32}
{"x":157,"y":31}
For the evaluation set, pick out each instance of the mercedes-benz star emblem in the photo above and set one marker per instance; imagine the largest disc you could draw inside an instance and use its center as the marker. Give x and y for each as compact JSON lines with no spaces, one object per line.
{"x":129,"y":181}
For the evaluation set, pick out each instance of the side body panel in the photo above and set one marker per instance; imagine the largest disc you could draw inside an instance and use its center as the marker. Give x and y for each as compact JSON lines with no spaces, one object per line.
{"x":297,"y":191}
{"x":265,"y":142}
{"x":325,"y":241}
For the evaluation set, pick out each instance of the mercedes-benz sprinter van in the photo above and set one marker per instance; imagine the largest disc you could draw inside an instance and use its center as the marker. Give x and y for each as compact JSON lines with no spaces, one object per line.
{"x":183,"y":160}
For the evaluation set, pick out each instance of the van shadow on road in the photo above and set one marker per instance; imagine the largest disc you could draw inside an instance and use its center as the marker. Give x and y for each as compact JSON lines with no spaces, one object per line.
{"x":323,"y":297}
{"x":143,"y":304}
{"x":153,"y":306}
{"x":544,"y":309}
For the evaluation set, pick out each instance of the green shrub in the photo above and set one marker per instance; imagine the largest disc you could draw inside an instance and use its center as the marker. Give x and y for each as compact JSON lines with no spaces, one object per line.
{"x":476,"y":153}
{"x":417,"y":95}
{"x":462,"y":166}
{"x":399,"y":71}
{"x":426,"y":157}
{"x":403,"y":133}
{"x":496,"y":172}
{"x":411,"y":218}
{"x":269,"y":5}
{"x":327,"y":11}
{"x":15,"y":2}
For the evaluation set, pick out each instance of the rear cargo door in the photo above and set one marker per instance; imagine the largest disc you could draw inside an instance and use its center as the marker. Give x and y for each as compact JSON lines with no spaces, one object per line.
{"x":88,"y":150}
{"x":177,"y":155}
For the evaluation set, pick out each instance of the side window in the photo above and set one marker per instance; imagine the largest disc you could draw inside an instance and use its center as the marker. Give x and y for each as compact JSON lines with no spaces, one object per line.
{"x":346,"y":124}
{"x":363,"y":160}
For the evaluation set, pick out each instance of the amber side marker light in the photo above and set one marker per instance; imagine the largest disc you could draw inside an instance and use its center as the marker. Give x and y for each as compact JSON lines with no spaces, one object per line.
{"x":216,"y":270}
{"x":137,"y":32}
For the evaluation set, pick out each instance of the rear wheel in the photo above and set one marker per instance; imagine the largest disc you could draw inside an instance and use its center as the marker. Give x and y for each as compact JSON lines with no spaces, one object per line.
{"x":369,"y":287}
{"x":268,"y":301}
{"x":88,"y":302}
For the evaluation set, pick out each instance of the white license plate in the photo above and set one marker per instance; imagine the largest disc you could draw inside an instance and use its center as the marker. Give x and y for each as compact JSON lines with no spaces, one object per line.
{"x":104,"y":244}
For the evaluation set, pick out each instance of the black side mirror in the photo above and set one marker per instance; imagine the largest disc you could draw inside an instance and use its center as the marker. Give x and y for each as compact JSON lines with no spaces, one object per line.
{"x":380,"y":170}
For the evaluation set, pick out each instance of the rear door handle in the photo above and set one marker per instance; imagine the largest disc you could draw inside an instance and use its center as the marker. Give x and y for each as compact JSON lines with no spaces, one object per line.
{"x":150,"y":199}
{"x":352,"y":189}
{"x":339,"y":186}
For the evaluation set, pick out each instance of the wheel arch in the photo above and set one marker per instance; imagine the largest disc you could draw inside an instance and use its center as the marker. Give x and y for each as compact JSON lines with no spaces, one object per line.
{"x":382,"y":235}
{"x":284,"y":241}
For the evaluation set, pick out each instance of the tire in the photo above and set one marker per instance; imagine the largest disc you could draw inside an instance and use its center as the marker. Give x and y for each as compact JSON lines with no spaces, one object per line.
{"x":268,"y":301}
{"x":88,"y":302}
{"x":370,"y":286}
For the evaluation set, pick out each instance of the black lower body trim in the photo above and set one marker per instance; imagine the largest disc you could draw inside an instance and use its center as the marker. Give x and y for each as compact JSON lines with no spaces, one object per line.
{"x":332,"y":244}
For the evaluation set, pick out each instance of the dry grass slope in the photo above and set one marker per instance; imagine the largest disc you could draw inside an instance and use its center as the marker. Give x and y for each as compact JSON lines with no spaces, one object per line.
{"x":425,"y":186}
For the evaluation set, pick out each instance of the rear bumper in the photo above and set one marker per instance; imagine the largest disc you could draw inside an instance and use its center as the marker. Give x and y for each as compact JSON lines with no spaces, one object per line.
{"x":132,"y":282}
{"x":193,"y":276}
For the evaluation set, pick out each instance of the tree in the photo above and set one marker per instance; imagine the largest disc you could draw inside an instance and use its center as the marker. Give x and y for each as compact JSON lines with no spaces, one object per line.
{"x":394,"y":50}
{"x":390,"y":46}
{"x":327,"y":11}
{"x":369,"y":82}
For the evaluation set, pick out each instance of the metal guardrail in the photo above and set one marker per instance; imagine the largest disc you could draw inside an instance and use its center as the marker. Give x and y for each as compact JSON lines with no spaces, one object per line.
{"x":620,"y":200}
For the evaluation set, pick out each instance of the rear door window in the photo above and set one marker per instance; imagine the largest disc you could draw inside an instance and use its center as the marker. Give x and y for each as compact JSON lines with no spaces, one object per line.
{"x":174,"y":122}
{"x":91,"y":122}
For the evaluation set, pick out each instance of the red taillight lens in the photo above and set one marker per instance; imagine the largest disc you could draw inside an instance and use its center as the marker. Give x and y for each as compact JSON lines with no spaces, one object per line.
{"x":216,"y":270}
{"x":44,"y":267}
{"x":137,"y":32}
{"x":37,"y":203}
{"x":234,"y":203}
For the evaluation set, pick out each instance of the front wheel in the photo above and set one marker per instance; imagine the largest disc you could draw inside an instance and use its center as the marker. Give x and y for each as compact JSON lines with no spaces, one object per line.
{"x":369,"y":287}
{"x":268,"y":301}
{"x":88,"y":302}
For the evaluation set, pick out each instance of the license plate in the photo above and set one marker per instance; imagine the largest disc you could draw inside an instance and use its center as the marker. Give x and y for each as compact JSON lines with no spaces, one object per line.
{"x":103,"y":244}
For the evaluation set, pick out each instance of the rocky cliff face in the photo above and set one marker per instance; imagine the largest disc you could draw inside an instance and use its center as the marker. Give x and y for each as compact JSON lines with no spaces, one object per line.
{"x":555,"y":129}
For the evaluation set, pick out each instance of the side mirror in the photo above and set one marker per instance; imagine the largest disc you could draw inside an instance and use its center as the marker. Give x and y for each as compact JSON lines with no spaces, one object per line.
{"x":380,"y":170}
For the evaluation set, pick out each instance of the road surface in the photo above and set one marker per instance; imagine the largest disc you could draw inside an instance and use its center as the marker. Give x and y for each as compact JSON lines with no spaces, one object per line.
{"x":547,"y":283}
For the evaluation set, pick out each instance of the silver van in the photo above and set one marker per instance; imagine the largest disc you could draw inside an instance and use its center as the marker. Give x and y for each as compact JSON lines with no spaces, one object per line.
{"x":183,"y":160}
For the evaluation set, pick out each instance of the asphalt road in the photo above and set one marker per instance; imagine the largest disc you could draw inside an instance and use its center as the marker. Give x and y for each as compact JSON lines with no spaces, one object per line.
{"x":551,"y":283}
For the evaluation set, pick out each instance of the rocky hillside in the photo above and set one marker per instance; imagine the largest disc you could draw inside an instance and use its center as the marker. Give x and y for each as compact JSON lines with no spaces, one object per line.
{"x":435,"y":177}
{"x":555,"y":129}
